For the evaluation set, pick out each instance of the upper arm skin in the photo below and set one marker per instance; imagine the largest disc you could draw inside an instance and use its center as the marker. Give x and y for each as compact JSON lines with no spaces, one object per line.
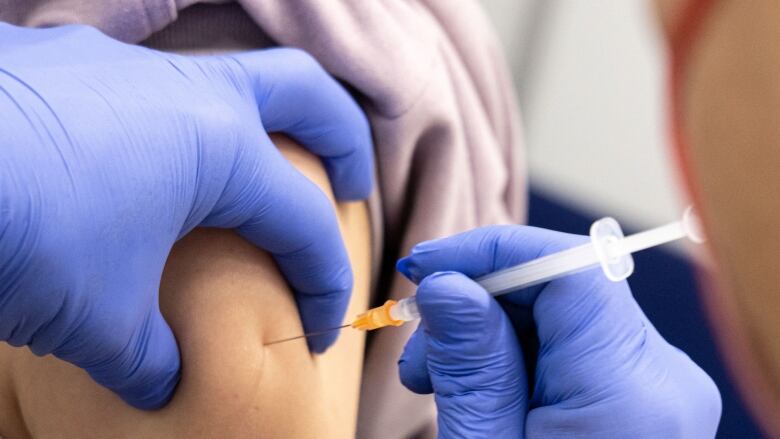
{"x":224,"y":299}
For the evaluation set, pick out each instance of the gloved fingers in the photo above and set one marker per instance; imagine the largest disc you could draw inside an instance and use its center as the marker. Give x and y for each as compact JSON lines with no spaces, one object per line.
{"x":297,"y":97}
{"x":466,"y":330}
{"x":474,"y":361}
{"x":281,"y":211}
{"x":138,"y":360}
{"x":583,"y":305}
{"x":484,"y":250}
{"x":413,"y":364}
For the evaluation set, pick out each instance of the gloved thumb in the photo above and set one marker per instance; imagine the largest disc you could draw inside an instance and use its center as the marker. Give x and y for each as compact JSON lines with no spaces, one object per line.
{"x":472,"y":357}
{"x":134,"y":355}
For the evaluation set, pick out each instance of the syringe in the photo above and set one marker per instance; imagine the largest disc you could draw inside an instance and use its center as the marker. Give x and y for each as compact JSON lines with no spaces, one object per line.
{"x":608,"y":247}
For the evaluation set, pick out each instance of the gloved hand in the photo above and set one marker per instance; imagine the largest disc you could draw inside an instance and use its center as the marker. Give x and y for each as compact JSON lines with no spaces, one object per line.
{"x":602,"y":369}
{"x":111,"y":152}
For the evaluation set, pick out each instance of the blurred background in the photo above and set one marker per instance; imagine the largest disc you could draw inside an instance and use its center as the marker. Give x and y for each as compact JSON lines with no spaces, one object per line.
{"x":591,"y":81}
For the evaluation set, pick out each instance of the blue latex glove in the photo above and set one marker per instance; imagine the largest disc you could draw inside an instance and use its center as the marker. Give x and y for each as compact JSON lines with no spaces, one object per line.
{"x":602,"y":369}
{"x":111,"y":152}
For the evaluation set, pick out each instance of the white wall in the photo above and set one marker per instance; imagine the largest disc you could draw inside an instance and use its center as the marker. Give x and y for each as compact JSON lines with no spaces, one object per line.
{"x":590,"y":76}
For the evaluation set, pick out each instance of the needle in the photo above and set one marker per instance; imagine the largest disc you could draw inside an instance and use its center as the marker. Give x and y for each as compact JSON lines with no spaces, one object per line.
{"x":310,"y":334}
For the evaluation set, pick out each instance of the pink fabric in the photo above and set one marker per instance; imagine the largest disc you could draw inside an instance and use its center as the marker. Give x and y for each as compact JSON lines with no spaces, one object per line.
{"x":432,"y":79}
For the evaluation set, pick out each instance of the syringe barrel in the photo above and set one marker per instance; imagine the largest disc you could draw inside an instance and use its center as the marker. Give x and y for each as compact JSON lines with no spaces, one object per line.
{"x":405,"y":310}
{"x":608,"y":248}
{"x":518,"y":277}
{"x":540,"y":270}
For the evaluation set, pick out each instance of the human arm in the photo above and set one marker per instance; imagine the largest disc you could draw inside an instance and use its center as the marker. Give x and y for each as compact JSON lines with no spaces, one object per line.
{"x":602,"y":369}
{"x":111,"y":152}
{"x":224,"y":299}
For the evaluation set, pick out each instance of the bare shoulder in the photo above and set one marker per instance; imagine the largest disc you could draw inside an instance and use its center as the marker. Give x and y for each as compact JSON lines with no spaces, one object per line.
{"x":224,"y":299}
